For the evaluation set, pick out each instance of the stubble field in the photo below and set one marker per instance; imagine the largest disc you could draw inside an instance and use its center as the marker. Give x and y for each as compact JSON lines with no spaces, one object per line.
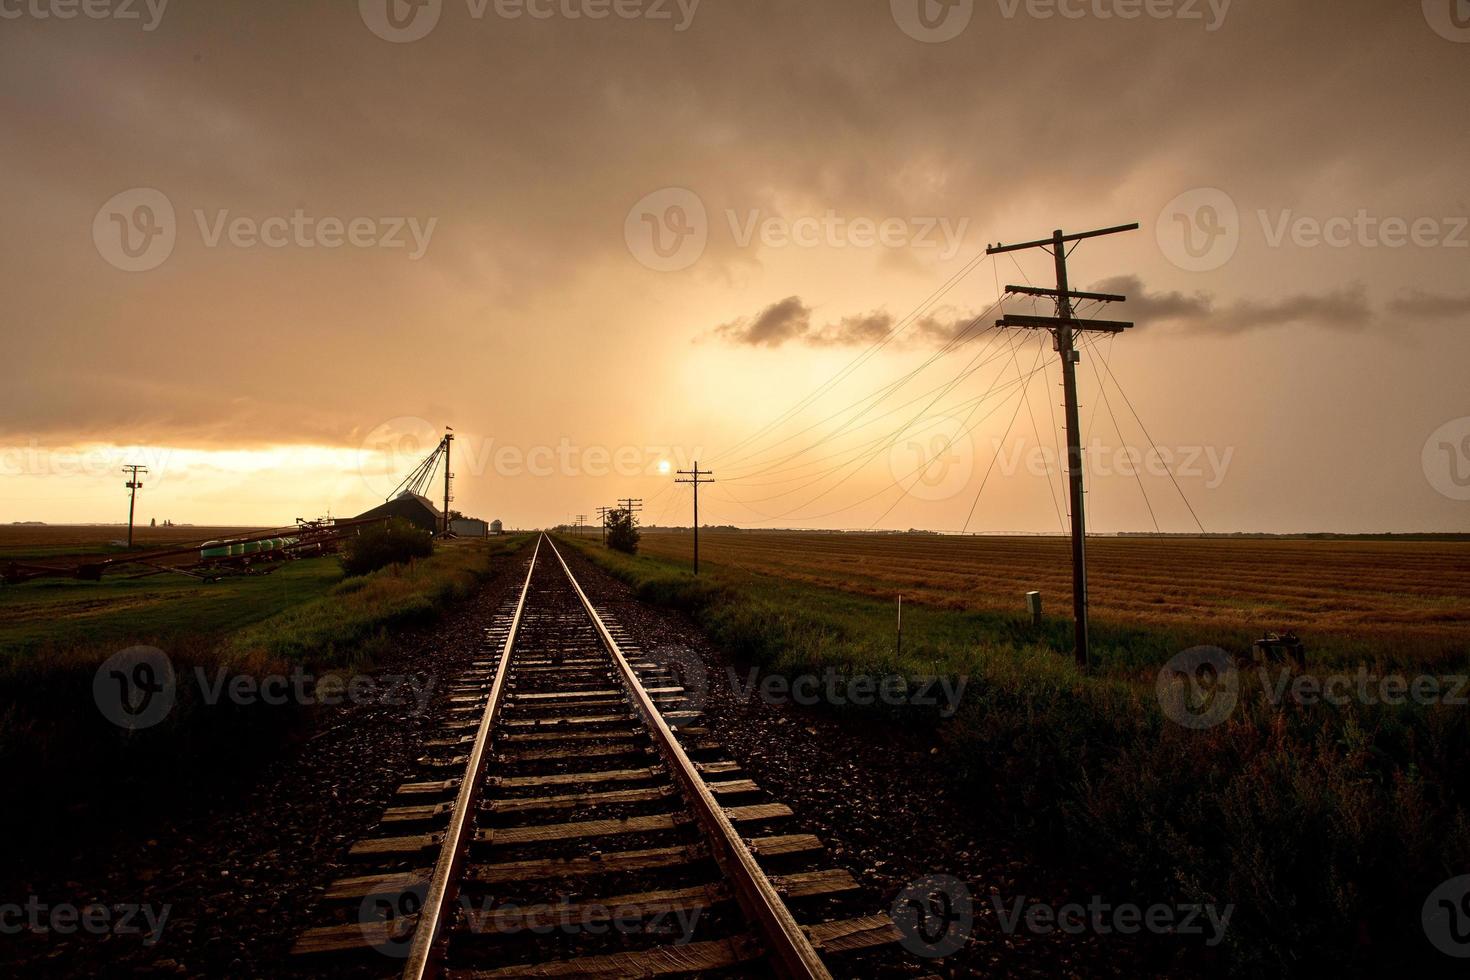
{"x":1394,"y":596}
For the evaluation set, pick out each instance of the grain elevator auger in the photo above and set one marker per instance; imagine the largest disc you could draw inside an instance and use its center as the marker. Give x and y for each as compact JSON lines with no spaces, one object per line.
{"x":423,"y":475}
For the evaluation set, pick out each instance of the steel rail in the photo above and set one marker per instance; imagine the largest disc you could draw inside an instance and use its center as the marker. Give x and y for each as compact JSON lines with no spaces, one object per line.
{"x":791,"y":952}
{"x":452,"y":850}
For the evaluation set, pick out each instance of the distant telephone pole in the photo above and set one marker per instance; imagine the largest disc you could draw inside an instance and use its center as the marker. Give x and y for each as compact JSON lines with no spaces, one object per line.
{"x":1063,"y":327}
{"x":696,"y":478}
{"x":632,"y":505}
{"x":133,"y":485}
{"x":581,"y":523}
{"x":602,"y":515}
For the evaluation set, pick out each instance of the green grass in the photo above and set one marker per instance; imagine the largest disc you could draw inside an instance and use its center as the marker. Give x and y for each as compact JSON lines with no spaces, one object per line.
{"x":62,"y":755}
{"x":63,"y":613}
{"x":1326,"y":826}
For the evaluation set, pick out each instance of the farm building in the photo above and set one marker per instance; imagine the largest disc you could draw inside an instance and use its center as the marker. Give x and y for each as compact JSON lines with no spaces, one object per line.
{"x":496,"y":527}
{"x":415,"y":508}
{"x":469,"y":527}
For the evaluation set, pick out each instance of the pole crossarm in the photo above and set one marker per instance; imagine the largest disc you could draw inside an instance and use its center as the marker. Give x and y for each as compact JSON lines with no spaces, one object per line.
{"x":998,"y":248}
{"x":1053,"y":322}
{"x":1074,"y":294}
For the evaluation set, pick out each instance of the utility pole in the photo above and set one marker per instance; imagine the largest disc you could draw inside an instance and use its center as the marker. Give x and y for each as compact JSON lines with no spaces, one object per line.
{"x":632,"y":505}
{"x":133,"y":485}
{"x":602,"y":515}
{"x":1063,"y":329}
{"x":695,"y":476}
{"x":448,"y":441}
{"x":581,"y":523}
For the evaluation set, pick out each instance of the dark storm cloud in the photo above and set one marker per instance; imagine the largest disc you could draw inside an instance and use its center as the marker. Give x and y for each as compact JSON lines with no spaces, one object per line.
{"x":1347,"y":308}
{"x":1429,"y":306}
{"x":790,"y":321}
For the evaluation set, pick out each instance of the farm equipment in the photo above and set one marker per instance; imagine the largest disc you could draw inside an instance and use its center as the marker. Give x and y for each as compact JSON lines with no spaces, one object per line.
{"x":256,"y":554}
{"x":1280,"y":649}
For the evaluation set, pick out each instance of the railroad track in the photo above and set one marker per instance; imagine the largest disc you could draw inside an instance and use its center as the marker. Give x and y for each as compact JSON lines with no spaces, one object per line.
{"x":572,"y":819}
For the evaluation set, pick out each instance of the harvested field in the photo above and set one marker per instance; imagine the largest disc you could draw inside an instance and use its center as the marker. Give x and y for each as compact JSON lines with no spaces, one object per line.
{"x":1393,"y":594}
{"x":42,"y":540}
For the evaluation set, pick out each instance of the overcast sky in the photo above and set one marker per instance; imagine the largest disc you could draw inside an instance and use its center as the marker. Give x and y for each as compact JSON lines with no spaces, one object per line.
{"x":271,"y":249}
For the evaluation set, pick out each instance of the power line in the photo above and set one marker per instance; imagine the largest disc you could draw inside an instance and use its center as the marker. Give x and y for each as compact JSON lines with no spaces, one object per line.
{"x":1153,"y":445}
{"x":861,"y":359}
{"x":954,"y":343}
{"x":897,"y":482}
{"x":964,"y":374}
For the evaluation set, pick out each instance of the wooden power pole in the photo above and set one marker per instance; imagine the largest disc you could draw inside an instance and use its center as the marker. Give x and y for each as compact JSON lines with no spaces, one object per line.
{"x":696,"y":478}
{"x":602,"y":516}
{"x":133,"y":486}
{"x":632,"y":505}
{"x":1064,"y":329}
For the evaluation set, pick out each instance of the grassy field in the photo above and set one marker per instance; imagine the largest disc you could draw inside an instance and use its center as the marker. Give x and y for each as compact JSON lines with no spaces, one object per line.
{"x":54,"y":614}
{"x":1396,"y":602}
{"x":1326,"y":825}
{"x":61,"y":753}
